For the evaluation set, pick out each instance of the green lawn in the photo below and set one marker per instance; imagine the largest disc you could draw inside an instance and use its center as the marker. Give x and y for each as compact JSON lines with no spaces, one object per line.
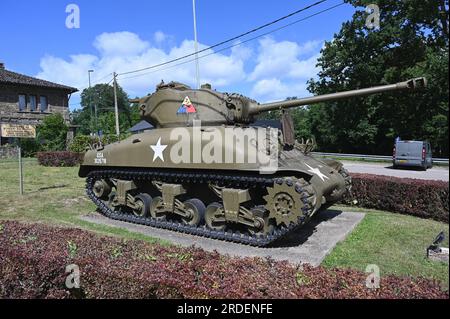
{"x":53,"y":195}
{"x":395,"y":243}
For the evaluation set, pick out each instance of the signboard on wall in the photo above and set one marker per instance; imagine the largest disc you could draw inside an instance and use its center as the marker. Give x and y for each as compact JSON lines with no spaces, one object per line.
{"x":18,"y":130}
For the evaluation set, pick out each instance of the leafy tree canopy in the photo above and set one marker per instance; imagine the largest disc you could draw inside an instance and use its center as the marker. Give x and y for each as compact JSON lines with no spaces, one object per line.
{"x":101,"y":96}
{"x":52,"y":133}
{"x":412,"y":41}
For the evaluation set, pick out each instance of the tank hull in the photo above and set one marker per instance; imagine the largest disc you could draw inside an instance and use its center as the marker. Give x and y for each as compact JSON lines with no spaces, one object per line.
{"x":193,"y":180}
{"x":138,"y":151}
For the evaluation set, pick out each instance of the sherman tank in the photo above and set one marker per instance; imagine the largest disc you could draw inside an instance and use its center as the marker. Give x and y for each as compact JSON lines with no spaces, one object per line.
{"x":208,"y":168}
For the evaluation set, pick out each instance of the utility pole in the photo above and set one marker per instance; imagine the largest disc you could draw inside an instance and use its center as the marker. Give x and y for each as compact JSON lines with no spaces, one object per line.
{"x":197,"y":71}
{"x":90,"y":103}
{"x":90,"y":100}
{"x":116,"y":107}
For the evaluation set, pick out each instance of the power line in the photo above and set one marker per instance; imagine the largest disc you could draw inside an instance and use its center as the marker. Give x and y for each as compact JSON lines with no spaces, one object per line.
{"x":228,"y":40}
{"x":102,"y":78}
{"x":240,"y":43}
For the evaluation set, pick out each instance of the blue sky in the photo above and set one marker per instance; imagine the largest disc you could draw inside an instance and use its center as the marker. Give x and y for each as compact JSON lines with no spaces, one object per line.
{"x":125,"y":35}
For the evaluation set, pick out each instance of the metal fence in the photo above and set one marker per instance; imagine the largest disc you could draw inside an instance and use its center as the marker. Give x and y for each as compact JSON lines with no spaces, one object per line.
{"x":371,"y":157}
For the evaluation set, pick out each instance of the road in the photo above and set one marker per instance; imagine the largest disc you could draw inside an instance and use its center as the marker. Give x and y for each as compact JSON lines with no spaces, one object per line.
{"x":435,"y":173}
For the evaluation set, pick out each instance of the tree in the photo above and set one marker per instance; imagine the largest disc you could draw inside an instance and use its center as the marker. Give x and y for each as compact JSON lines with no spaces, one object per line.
{"x":52,"y":133}
{"x":412,"y":41}
{"x":299,"y":115}
{"x":101,"y":96}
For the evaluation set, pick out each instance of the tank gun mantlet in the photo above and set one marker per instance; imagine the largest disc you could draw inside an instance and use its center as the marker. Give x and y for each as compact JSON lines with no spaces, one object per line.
{"x":239,"y":106}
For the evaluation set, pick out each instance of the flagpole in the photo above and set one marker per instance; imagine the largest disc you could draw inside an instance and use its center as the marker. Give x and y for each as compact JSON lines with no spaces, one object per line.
{"x":197,"y":71}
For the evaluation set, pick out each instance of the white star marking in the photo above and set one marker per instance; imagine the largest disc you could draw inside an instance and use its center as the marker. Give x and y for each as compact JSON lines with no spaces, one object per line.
{"x":158,"y":150}
{"x":317,"y":172}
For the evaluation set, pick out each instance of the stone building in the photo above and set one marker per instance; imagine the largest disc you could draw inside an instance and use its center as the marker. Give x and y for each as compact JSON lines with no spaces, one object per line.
{"x":25,"y":100}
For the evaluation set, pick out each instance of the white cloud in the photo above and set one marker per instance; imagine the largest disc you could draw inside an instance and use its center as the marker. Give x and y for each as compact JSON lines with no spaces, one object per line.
{"x":283,"y":68}
{"x":282,"y":59}
{"x":120,"y":44}
{"x":159,"y":36}
{"x":125,"y":51}
{"x":72,"y":72}
{"x":273,"y":89}
{"x":276,"y":70}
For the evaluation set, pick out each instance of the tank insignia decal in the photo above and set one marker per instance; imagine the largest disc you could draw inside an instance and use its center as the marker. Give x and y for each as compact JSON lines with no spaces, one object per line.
{"x":317,"y":172}
{"x":158,"y":150}
{"x":186,"y":107}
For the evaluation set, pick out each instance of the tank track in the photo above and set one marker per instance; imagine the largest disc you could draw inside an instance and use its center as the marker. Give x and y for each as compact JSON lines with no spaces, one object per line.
{"x":228,"y":180}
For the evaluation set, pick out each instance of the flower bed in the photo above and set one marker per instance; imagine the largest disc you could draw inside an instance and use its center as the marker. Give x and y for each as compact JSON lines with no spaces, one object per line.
{"x":34,"y":257}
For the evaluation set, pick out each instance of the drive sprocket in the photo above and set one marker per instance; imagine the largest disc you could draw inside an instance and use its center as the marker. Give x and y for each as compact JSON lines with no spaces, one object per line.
{"x":287,"y":201}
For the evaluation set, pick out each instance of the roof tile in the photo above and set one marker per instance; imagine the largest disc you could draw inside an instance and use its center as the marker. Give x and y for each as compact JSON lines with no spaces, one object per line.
{"x":10,"y":77}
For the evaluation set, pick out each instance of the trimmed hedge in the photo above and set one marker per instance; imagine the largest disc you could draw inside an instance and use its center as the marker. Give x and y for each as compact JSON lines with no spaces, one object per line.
{"x":34,"y":257}
{"x":421,"y":198}
{"x":58,"y":159}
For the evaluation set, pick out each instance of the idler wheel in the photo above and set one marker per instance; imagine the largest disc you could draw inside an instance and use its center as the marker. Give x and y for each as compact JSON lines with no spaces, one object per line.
{"x":157,"y":209}
{"x":195,"y":210}
{"x":215,"y":217}
{"x":101,"y":189}
{"x":264,"y":225}
{"x":142,"y":203}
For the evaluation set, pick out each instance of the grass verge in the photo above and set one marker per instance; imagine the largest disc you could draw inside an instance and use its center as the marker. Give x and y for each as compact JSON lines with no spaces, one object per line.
{"x":395,"y":243}
{"x":52,"y":195}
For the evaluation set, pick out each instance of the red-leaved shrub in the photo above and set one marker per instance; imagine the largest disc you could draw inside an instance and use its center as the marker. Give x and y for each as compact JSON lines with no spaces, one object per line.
{"x":421,"y":198}
{"x":58,"y":159}
{"x":33,"y":261}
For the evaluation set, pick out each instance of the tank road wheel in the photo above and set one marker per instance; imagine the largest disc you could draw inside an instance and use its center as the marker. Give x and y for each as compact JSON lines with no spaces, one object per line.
{"x":284,"y":202}
{"x":196,"y":212}
{"x":142,"y":203}
{"x":101,"y":189}
{"x":112,"y":199}
{"x":265,"y":225}
{"x":215,"y":217}
{"x":157,"y":210}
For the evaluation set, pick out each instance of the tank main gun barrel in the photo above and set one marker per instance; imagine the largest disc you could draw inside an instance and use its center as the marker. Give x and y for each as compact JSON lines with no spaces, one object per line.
{"x":412,"y":84}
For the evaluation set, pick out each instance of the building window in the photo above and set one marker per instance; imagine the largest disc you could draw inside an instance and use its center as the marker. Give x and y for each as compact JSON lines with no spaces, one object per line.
{"x":44,"y":103}
{"x":32,"y":103}
{"x":22,"y":102}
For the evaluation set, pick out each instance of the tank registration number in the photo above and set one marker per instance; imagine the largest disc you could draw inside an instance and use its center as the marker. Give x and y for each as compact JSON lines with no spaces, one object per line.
{"x":100,"y":159}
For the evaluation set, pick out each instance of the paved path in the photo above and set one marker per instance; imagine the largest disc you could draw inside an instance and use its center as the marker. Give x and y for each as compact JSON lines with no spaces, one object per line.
{"x":435,"y":173}
{"x":309,"y":245}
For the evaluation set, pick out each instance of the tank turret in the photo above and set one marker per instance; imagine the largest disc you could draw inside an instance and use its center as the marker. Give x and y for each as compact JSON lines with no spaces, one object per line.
{"x":176,"y":104}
